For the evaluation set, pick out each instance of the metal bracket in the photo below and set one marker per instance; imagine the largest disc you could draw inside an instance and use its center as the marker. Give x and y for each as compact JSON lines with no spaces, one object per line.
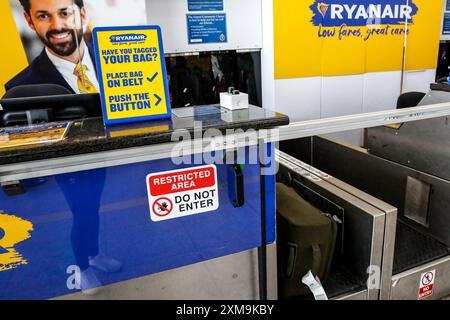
{"x":13,"y":188}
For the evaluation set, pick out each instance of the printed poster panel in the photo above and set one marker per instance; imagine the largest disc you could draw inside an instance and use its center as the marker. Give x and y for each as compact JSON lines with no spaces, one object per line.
{"x":48,"y":53}
{"x":335,"y":37}
{"x":446,"y":24}
{"x":207,"y":28}
{"x":15,"y":137}
{"x":133,"y":76}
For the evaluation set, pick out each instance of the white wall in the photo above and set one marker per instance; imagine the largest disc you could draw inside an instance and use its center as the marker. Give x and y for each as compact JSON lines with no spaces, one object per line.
{"x":419,"y":80}
{"x":244,"y":25}
{"x":268,"y":56}
{"x":322,"y":97}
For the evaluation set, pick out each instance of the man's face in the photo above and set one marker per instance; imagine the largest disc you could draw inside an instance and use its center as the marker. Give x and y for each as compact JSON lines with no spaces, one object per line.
{"x":57,"y":23}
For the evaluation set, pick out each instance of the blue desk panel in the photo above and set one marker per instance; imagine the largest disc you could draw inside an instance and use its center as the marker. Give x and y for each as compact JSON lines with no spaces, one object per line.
{"x":107,"y":210}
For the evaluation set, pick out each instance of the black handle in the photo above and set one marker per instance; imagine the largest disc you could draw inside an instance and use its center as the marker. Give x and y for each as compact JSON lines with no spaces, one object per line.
{"x":290,"y":261}
{"x":238,"y":194}
{"x":13,"y":188}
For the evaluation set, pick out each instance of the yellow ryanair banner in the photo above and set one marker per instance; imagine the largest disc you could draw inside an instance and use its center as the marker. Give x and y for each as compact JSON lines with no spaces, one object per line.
{"x":12,"y":55}
{"x":345,"y":37}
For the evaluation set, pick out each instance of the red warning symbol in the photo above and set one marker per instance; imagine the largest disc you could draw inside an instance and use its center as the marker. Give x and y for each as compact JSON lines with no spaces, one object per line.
{"x":179,"y":193}
{"x":427,"y":284}
{"x":162,"y":207}
{"x":427,"y":278}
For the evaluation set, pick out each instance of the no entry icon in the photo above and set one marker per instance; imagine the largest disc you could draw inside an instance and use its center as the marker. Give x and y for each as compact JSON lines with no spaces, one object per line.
{"x":162,"y":207}
{"x":426,"y":285}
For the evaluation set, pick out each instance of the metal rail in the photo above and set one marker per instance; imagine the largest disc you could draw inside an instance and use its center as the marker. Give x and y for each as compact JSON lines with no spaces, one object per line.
{"x":40,"y":168}
{"x":54,"y":166}
{"x":361,"y":121}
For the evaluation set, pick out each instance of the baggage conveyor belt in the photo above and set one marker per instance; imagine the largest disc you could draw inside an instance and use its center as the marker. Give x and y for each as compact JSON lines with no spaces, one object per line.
{"x":340,"y":281}
{"x":414,"y":248}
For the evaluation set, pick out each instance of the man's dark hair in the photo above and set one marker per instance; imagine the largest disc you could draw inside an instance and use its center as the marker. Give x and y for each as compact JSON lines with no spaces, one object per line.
{"x":26,"y":4}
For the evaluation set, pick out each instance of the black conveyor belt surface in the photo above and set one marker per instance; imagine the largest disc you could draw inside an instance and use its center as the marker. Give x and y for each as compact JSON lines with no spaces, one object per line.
{"x":414,"y":248}
{"x":340,"y":281}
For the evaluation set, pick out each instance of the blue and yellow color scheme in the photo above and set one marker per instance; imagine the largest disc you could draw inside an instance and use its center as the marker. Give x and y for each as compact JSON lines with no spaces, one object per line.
{"x":13,"y":230}
{"x":106,"y":212}
{"x":316,"y":38}
{"x":361,"y":13}
{"x":132,"y":73}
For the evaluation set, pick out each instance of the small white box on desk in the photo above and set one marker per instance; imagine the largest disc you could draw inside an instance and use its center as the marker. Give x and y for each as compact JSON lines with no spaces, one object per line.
{"x":234,"y":101}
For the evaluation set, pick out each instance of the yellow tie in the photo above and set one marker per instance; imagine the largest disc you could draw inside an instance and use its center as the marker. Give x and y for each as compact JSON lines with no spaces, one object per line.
{"x":84,"y":84}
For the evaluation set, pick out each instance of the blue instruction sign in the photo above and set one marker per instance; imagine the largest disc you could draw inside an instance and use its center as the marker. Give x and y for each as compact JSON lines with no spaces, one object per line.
{"x":207,"y":28}
{"x":205,"y":5}
{"x":446,"y":27}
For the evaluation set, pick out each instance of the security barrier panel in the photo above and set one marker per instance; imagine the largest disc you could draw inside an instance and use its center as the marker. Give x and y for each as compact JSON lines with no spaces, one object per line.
{"x":420,"y":262}
{"x":357,"y":264}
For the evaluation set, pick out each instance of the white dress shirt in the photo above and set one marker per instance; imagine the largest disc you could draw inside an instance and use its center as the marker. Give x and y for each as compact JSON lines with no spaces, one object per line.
{"x":66,"y":68}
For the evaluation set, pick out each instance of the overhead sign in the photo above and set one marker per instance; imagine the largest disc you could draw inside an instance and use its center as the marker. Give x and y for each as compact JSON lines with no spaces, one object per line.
{"x":205,"y":5}
{"x":179,"y":193}
{"x":426,"y":284}
{"x":207,"y":28}
{"x":132,"y":74}
{"x":337,"y":37}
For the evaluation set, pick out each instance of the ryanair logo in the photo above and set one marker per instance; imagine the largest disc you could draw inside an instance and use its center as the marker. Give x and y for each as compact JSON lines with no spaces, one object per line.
{"x":124,"y":38}
{"x":359,"y":13}
{"x":323,"y":8}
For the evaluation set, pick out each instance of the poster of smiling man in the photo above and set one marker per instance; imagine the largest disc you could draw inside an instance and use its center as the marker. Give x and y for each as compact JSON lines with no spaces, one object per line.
{"x":57,"y":39}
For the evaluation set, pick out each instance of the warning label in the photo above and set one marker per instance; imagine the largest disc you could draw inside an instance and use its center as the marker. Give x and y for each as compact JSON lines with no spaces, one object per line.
{"x":179,"y":193}
{"x":426,"y":284}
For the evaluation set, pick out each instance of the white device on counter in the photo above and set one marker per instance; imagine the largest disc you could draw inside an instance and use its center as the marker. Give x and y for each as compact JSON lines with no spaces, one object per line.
{"x":234,"y":100}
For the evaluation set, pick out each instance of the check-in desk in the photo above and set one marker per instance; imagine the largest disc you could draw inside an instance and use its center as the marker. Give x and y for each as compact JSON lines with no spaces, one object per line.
{"x":87,"y":195}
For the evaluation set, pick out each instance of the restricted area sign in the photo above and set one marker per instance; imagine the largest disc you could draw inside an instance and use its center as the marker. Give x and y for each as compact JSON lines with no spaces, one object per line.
{"x":132,"y":74}
{"x":179,"y":193}
{"x":426,"y":284}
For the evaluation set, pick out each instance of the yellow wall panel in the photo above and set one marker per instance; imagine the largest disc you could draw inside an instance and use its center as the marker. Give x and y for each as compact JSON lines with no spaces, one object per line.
{"x":12,"y":55}
{"x":297,"y":51}
{"x":307,"y":49}
{"x":422,"y":47}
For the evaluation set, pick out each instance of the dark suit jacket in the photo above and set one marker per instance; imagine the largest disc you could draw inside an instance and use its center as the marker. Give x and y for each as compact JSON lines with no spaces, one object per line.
{"x":42,"y":71}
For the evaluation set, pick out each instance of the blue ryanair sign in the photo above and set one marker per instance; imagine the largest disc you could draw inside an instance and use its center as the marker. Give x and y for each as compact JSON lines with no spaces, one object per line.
{"x":132,"y":37}
{"x":359,"y":13}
